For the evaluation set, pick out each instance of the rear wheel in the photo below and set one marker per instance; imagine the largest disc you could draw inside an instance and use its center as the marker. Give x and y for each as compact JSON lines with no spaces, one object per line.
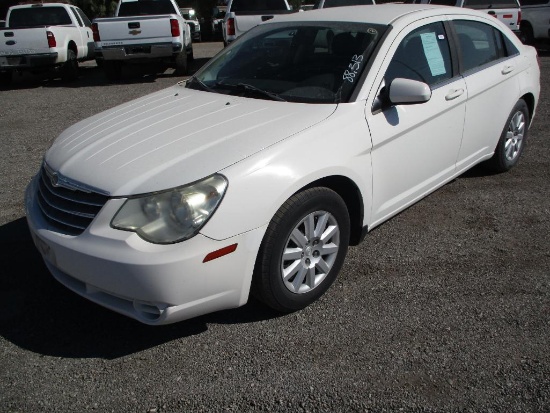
{"x":70,"y":68}
{"x":303,"y":250}
{"x":5,"y":78}
{"x":527,"y":34}
{"x":512,"y":140}
{"x":113,"y":70}
{"x":181,"y":63}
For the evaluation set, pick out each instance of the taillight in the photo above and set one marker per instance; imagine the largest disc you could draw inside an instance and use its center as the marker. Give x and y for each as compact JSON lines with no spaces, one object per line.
{"x":51,"y":39}
{"x":95,"y":31}
{"x":175,"y":27}
{"x":231,"y":26}
{"x":519,"y":17}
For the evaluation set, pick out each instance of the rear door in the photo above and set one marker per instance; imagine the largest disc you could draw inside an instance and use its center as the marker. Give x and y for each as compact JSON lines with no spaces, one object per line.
{"x":489,"y":64}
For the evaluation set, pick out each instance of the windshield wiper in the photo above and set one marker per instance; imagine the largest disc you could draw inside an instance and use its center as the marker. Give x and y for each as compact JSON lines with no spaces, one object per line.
{"x":249,"y":88}
{"x":252,"y":88}
{"x":195,"y":80}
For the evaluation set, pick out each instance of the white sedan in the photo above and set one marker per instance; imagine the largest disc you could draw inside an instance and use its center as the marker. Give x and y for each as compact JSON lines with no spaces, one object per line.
{"x":255,"y":175}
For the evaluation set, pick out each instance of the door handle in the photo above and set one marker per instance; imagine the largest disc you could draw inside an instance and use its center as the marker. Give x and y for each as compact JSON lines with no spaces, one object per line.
{"x":453,"y":94}
{"x":507,"y":69}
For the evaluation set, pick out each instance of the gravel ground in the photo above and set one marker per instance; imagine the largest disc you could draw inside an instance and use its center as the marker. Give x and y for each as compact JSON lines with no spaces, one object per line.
{"x":445,"y":308}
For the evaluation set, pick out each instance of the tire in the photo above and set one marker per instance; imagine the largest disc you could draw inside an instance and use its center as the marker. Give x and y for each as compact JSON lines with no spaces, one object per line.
{"x":181,"y":64}
{"x":70,"y":68}
{"x":112,"y":70}
{"x":512,"y":140}
{"x":527,"y":34}
{"x":5,"y":78}
{"x":296,"y":264}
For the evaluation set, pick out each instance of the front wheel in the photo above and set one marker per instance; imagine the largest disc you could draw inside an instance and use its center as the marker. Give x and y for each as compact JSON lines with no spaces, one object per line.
{"x":303,"y":250}
{"x":512,"y":140}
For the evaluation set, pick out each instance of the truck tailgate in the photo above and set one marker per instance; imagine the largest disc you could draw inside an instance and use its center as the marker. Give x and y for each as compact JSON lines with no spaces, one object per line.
{"x":134,"y":28}
{"x":23,"y":41}
{"x":243,"y":23}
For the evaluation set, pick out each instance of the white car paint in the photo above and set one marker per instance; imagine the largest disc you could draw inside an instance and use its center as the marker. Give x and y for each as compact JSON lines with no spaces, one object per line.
{"x":267,"y":151}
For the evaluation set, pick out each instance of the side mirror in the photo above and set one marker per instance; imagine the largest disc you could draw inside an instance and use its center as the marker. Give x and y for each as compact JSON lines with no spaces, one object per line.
{"x":408,"y":92}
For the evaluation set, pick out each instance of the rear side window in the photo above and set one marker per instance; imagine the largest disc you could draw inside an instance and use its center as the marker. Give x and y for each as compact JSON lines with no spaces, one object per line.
{"x":481,"y":44}
{"x":423,"y":55}
{"x":39,"y":16}
{"x":84,"y":18}
{"x":77,"y":17}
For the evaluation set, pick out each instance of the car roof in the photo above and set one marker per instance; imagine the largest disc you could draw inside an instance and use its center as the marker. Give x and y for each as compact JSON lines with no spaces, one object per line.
{"x":384,"y":14}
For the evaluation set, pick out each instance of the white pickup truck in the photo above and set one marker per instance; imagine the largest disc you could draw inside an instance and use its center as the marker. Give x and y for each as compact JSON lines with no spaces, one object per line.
{"x":243,"y":15}
{"x":143,"y":31}
{"x":43,"y":36}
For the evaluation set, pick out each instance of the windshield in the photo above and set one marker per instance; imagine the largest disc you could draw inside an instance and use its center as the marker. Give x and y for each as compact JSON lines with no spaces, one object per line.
{"x":311,"y":62}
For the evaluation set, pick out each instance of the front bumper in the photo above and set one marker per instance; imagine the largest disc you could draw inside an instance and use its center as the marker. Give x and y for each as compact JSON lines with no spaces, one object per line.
{"x":154,"y":284}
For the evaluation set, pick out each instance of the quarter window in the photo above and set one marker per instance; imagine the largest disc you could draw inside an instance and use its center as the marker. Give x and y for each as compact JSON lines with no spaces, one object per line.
{"x":423,"y":55}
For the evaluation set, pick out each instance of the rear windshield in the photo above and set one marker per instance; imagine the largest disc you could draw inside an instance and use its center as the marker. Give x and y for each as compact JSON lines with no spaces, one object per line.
{"x":491,"y":4}
{"x":339,"y":3}
{"x":258,"y":5}
{"x":39,"y":16}
{"x":145,"y":8}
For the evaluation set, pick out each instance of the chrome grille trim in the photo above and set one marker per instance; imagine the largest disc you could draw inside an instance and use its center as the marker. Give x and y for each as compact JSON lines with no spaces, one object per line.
{"x":68,"y":206}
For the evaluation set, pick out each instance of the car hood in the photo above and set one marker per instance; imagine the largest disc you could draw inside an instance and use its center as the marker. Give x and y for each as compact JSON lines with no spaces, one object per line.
{"x":173,"y":137}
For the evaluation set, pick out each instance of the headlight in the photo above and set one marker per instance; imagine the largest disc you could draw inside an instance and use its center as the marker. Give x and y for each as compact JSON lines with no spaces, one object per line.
{"x":174,"y":215}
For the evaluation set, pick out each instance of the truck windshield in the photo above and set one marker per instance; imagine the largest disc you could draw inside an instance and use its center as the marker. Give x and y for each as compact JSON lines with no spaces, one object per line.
{"x":308,"y":62}
{"x":38,"y":16}
{"x":145,"y":8}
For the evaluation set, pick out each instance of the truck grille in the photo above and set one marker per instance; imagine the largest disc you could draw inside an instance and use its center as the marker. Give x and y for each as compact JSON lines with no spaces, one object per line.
{"x":69,"y":210}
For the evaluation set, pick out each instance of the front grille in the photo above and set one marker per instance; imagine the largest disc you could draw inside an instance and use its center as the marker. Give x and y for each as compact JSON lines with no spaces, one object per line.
{"x":70,"y":211}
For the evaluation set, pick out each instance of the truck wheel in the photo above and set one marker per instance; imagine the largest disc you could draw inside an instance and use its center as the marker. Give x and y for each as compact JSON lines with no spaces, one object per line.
{"x":527,"y":34}
{"x":70,"y":68}
{"x":181,"y":64}
{"x":5,"y":78}
{"x":112,"y":70}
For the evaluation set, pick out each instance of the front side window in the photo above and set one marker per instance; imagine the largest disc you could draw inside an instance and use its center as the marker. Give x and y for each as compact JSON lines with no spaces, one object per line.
{"x":481,"y":44}
{"x":314,"y":62}
{"x":423,"y":55}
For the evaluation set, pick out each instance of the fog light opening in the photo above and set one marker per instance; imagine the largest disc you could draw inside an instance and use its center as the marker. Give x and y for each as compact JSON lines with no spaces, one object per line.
{"x":149,"y":311}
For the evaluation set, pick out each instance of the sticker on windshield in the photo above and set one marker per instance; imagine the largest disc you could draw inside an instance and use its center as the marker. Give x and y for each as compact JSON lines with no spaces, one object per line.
{"x":353,"y":68}
{"x":433,"y":54}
